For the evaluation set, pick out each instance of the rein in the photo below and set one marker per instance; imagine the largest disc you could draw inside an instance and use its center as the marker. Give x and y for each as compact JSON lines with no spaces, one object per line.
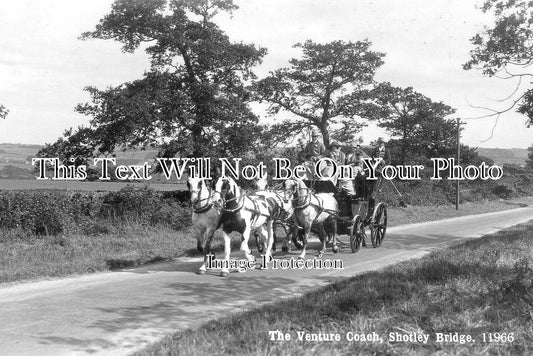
{"x":256,"y":212}
{"x":280,"y":211}
{"x":224,"y":208}
{"x":240,"y":205}
{"x":307,"y":199}
{"x":307,"y":202}
{"x":196,"y":207}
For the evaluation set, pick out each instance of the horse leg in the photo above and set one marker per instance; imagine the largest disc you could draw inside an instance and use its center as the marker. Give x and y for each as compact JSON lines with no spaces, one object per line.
{"x":227,"y":250}
{"x":289,"y":236}
{"x":205,"y":250}
{"x":335,"y":248}
{"x":244,"y":244}
{"x":270,"y":240}
{"x":286,"y":246}
{"x":200,"y":237}
{"x":208,"y":235}
{"x":199,"y":246}
{"x":259,"y":241}
{"x":324,"y":240}
{"x":305,"y":237}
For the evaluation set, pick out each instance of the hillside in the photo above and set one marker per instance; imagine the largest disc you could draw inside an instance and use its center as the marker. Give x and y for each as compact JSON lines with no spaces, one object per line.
{"x":503,"y":156}
{"x":15,"y":159}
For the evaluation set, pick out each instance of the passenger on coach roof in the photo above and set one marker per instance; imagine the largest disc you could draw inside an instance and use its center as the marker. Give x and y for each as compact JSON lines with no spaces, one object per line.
{"x":300,"y":148}
{"x":360,"y":178}
{"x":315,"y":149}
{"x":381,"y":151}
{"x":339,"y":157}
{"x":336,"y":154}
{"x":356,"y":155}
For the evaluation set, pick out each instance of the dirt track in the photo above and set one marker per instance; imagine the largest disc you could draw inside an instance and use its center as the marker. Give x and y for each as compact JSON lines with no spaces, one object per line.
{"x":118,"y":312}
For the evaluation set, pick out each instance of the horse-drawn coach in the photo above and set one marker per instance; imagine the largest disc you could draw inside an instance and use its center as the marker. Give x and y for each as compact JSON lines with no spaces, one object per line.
{"x":295,"y":207}
{"x":354,"y":214}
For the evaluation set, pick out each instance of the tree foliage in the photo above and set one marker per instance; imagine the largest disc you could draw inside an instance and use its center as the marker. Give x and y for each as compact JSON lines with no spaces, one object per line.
{"x":193,"y":100}
{"x":76,"y":145}
{"x":415,"y":120}
{"x":3,"y":112}
{"x":328,"y":85}
{"x":506,"y":50}
{"x":529,"y":161}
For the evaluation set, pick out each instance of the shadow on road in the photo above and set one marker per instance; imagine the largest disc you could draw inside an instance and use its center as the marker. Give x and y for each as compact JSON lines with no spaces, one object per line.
{"x":183,"y":304}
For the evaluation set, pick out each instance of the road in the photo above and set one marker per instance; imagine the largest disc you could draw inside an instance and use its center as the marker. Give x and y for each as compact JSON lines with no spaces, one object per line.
{"x":114,"y":313}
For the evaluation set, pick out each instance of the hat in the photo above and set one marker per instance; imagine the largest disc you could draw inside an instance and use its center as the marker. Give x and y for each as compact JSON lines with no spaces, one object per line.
{"x":315,"y":132}
{"x":334,"y":143}
{"x":380,"y":140}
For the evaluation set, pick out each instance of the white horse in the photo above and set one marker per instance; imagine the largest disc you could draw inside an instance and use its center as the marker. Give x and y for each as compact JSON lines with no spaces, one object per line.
{"x":310,"y":209}
{"x":204,"y":216}
{"x":284,"y":214}
{"x":242,"y":213}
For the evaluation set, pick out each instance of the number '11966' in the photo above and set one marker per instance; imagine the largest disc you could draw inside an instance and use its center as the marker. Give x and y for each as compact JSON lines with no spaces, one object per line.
{"x":498,"y":337}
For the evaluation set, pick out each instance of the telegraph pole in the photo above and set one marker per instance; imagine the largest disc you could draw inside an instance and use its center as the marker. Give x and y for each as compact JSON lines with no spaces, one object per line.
{"x":459,"y":123}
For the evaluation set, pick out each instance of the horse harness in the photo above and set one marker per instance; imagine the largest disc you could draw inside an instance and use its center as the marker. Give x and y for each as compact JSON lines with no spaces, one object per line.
{"x":256,"y":211}
{"x":202,"y":209}
{"x":319,"y":208}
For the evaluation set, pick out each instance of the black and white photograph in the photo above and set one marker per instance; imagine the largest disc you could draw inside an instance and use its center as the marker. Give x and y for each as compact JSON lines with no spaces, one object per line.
{"x":231,"y":177}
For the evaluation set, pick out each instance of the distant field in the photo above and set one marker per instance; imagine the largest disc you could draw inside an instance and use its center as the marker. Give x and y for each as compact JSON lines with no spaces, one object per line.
{"x":15,"y":159}
{"x":12,"y":184}
{"x":505,"y":156}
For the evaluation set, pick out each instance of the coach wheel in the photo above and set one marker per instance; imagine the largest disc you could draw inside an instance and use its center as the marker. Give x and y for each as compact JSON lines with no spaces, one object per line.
{"x":356,"y":233}
{"x":378,"y":226}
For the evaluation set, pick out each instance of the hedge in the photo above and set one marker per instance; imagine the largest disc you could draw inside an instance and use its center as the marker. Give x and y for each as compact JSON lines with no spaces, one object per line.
{"x":54,"y":212}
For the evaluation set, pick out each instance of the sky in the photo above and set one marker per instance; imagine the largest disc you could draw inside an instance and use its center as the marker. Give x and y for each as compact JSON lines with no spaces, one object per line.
{"x":44,"y":66}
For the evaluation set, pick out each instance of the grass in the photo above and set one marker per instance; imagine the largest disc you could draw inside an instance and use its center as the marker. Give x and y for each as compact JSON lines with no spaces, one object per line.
{"x":25,"y":258}
{"x":482,"y":286}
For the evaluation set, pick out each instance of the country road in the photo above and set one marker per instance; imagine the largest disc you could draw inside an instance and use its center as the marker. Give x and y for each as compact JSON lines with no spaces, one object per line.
{"x":114,"y":313}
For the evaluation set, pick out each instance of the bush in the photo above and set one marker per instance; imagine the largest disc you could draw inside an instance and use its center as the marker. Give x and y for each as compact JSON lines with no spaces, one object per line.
{"x":41,"y":212}
{"x":145,"y":206}
{"x":56,"y":212}
{"x":131,"y":203}
{"x":502,"y":191}
{"x":413,"y":193}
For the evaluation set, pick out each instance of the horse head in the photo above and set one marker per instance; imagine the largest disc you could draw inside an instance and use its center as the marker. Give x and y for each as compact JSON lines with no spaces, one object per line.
{"x":290,"y":188}
{"x":194,"y":186}
{"x":200,"y":192}
{"x":261,"y":183}
{"x":225,"y":190}
{"x":295,"y":190}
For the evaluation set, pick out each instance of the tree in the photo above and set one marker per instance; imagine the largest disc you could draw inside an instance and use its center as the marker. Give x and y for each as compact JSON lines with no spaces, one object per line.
{"x":193,"y":100}
{"x":529,"y":161}
{"x":77,"y":146}
{"x":506,"y":51}
{"x":417,"y":121}
{"x":3,"y":112}
{"x":328,"y":86}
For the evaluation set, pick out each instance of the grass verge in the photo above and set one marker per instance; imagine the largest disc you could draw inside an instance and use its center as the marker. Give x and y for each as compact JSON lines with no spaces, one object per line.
{"x":25,"y":257}
{"x":482,"y":286}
